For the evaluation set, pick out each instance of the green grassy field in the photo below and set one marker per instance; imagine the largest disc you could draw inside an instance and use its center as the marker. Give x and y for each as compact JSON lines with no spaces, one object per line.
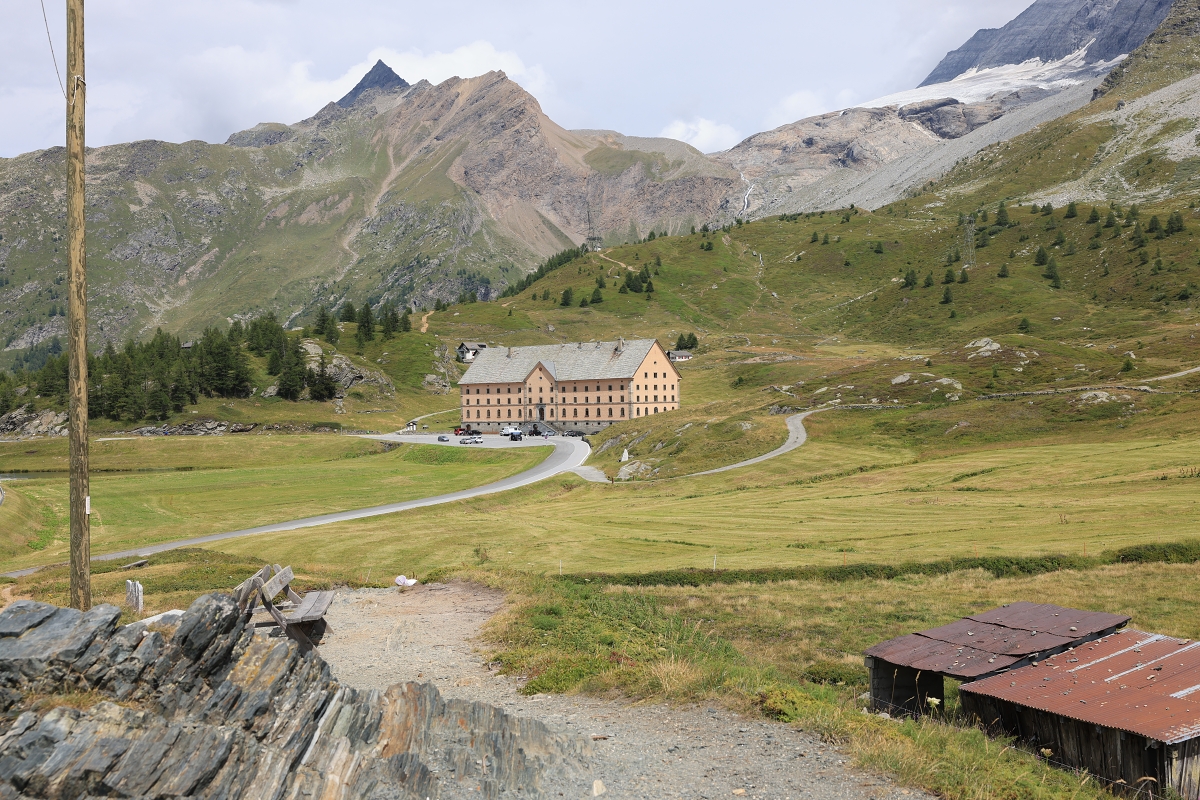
{"x":180,"y":487}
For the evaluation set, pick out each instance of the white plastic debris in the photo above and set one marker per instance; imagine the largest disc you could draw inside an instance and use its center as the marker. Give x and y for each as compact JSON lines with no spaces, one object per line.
{"x":403,"y":581}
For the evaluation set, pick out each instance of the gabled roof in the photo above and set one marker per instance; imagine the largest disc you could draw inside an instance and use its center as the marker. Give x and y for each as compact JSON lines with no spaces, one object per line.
{"x":576,"y":361}
{"x":472,"y":345}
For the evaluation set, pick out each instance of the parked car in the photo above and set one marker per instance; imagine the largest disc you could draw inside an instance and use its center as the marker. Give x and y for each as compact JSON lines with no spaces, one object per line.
{"x":516,"y":436}
{"x":579,"y":434}
{"x":467,"y":440}
{"x":509,"y":431}
{"x":443,"y":438}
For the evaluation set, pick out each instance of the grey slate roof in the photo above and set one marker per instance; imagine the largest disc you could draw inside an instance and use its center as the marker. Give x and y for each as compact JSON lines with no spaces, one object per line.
{"x":566,"y":362}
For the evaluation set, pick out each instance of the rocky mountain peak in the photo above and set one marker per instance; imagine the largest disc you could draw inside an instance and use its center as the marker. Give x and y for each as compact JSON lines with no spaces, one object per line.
{"x":380,"y":77}
{"x":1051,"y":30}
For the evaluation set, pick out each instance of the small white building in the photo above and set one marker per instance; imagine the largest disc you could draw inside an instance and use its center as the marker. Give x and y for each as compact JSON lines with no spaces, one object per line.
{"x":468,"y":350}
{"x":679,"y":355}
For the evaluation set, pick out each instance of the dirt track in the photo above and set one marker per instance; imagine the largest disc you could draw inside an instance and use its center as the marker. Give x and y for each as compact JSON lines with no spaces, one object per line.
{"x":379,"y":637}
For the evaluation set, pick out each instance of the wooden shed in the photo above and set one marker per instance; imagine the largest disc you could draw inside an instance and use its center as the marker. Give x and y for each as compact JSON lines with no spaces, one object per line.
{"x":1125,"y":707}
{"x":909,"y":671}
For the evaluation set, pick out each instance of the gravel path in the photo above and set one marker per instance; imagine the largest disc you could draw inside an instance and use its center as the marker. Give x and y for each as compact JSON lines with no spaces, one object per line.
{"x":378,"y":637}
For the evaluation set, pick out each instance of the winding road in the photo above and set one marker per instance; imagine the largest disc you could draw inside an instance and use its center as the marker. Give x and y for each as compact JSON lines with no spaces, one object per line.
{"x":568,"y":456}
{"x":797,"y":436}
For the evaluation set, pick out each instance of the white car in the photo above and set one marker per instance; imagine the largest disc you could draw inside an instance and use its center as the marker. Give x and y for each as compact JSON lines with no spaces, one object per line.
{"x":509,"y":431}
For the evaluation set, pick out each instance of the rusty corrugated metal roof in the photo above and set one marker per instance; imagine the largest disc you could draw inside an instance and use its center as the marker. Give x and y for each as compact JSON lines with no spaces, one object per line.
{"x":1143,"y":683}
{"x":996,"y":639}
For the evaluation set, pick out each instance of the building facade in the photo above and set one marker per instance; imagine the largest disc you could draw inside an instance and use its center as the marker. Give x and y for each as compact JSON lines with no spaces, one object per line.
{"x":581,"y":386}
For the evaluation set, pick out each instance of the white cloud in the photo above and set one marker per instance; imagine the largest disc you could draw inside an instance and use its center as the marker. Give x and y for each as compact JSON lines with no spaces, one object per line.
{"x":703,"y":134}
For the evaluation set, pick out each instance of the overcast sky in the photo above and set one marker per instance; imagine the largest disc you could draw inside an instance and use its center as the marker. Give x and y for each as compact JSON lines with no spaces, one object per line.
{"x":709,"y":73}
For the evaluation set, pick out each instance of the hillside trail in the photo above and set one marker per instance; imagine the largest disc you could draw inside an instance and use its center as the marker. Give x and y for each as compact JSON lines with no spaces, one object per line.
{"x":618,"y":263}
{"x":394,"y":170}
{"x":378,"y":637}
{"x":425,"y":321}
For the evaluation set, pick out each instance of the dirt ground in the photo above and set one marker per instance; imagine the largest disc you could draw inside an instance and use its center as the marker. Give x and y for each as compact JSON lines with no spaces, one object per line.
{"x":378,"y":637}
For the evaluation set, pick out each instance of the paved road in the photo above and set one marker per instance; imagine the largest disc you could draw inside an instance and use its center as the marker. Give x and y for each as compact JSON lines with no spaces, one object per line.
{"x":796,"y":437}
{"x":568,"y":455}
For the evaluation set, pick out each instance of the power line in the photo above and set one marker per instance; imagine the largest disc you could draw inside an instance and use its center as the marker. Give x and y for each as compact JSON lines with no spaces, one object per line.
{"x":53,"y":57}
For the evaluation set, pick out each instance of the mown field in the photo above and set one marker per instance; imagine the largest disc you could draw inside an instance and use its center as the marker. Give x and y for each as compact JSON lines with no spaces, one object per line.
{"x":146,"y":491}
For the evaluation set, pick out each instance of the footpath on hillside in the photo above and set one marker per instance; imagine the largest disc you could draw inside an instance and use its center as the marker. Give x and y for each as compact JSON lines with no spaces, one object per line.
{"x":379,"y":637}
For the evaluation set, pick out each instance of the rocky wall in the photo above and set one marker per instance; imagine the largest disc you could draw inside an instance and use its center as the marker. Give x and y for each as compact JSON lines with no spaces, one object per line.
{"x":215,"y":708}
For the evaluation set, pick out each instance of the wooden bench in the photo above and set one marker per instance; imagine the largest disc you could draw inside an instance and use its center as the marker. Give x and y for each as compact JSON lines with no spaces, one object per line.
{"x":299,"y":617}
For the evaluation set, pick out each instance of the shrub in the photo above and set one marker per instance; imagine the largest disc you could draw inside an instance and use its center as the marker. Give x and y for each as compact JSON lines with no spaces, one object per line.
{"x":837,"y":673}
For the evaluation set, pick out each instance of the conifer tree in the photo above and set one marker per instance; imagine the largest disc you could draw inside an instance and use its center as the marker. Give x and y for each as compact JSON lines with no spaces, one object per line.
{"x":929,"y":280}
{"x":949,"y":276}
{"x":947,"y":298}
{"x":1039,"y":258}
{"x":1093,"y":217}
{"x":1002,"y":215}
{"x":348,"y":313}
{"x":366,"y":322}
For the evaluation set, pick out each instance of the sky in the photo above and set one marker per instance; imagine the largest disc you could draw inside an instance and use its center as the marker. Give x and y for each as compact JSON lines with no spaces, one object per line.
{"x":704,"y":72}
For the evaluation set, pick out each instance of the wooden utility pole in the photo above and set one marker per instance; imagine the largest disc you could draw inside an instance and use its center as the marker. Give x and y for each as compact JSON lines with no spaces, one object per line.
{"x":77,"y":408}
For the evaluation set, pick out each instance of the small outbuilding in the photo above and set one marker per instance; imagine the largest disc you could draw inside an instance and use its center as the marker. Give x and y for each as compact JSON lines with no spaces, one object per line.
{"x":910,"y":671}
{"x":1125,"y":707}
{"x":468,"y":350}
{"x":679,"y":355}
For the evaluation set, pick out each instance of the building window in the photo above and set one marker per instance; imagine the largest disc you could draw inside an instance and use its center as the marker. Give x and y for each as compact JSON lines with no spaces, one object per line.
{"x":645,"y":374}
{"x":672,"y":398}
{"x":639,"y":412}
{"x":656,"y":409}
{"x":576,"y":414}
{"x":489,"y":416}
{"x":477,"y":413}
{"x":622,"y":398}
{"x":610,"y":412}
{"x":510,"y":413}
{"x":587,"y":412}
{"x":622,"y":412}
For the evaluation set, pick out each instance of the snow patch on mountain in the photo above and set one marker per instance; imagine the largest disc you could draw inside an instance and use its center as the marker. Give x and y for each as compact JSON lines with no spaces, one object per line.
{"x":976,"y":85}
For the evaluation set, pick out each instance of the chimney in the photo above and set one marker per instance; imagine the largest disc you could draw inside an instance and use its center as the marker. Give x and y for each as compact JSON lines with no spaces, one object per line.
{"x":621,"y":345}
{"x":510,"y":352}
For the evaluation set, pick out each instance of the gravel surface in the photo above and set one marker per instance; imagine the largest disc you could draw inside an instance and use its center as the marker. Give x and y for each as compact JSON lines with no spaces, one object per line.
{"x":378,"y":637}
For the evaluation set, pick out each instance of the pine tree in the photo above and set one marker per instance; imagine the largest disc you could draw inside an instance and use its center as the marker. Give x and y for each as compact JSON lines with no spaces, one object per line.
{"x":322,"y":322}
{"x":568,"y":297}
{"x":1003,"y":271}
{"x":583,"y":303}
{"x":596,"y":296}
{"x":388,"y":322}
{"x":332,"y":334}
{"x":949,"y":276}
{"x":274,"y":363}
{"x":1072,"y":211}
{"x":815,"y":238}
{"x":348,"y":314}
{"x":405,"y":322}
{"x":1002,"y":215}
{"x":962,"y":276}
{"x":1040,"y":258}
{"x":910,"y":279}
{"x":366,"y":322}
{"x":929,"y":280}
{"x":1023,"y":325}
{"x":1111,"y":220}
{"x":1093,"y":217}
{"x":826,"y":239}
{"x":947,"y":298}
{"x":1155,"y":226}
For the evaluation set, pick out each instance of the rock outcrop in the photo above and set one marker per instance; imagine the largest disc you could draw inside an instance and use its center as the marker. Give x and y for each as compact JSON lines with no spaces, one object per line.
{"x":345,"y":373}
{"x":217,"y":709}
{"x":24,"y":421}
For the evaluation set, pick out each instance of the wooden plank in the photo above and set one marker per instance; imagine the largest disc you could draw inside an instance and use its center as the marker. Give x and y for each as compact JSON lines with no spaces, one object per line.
{"x":312,"y":607}
{"x":321,"y":603}
{"x":295,"y":598}
{"x":273,"y":586}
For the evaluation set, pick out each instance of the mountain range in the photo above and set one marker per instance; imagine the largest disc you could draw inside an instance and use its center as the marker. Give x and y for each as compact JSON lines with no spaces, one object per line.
{"x":412,"y":193}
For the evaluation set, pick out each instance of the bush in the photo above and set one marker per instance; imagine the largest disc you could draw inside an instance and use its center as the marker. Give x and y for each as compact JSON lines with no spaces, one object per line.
{"x":837,"y":673}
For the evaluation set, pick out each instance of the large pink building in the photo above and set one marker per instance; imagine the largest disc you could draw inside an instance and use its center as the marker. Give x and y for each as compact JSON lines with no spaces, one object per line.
{"x":579,"y":386}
